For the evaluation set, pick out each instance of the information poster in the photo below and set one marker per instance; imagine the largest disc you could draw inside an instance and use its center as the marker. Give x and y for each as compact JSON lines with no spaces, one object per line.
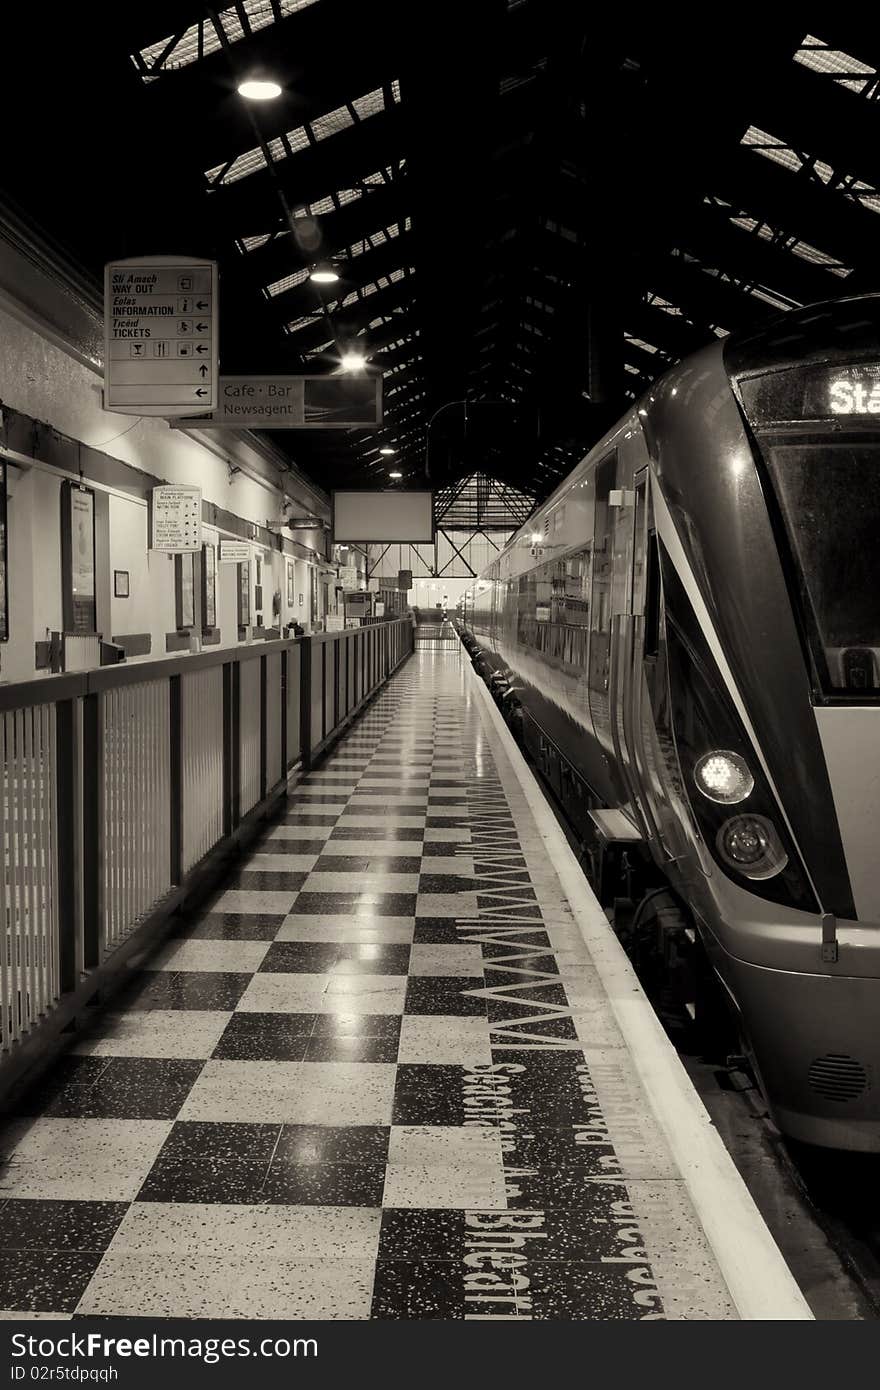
{"x":177,"y":519}
{"x":78,"y":557}
{"x":290,"y":584}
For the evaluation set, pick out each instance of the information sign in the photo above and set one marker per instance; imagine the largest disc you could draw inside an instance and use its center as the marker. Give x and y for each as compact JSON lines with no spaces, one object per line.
{"x":176,"y":518}
{"x":160,"y":336}
{"x":295,"y":402}
{"x":234,"y":552}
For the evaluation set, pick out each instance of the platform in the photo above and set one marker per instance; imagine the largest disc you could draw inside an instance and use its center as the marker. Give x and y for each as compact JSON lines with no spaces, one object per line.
{"x":378,"y":1077}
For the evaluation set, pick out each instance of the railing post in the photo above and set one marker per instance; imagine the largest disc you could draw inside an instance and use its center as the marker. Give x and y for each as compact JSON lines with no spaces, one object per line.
{"x":264,"y":724}
{"x":65,"y":801}
{"x":231,"y":747}
{"x":285,"y":676}
{"x":305,"y":702}
{"x":175,"y":767}
{"x":93,"y":840}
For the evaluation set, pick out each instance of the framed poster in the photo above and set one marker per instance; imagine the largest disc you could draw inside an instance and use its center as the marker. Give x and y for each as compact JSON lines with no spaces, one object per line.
{"x":244,"y":594}
{"x":121,"y":585}
{"x":313,"y":594}
{"x":79,"y":610}
{"x":185,"y":589}
{"x":209,"y":587}
{"x":4,"y":590}
{"x":290,"y":584}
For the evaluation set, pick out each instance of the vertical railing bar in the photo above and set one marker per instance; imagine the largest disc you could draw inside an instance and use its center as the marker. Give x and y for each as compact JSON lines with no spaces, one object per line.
{"x":21,"y":933}
{"x":5,"y":916}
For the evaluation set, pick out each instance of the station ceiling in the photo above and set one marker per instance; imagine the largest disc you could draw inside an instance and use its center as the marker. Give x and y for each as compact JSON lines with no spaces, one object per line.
{"x":532,"y":215}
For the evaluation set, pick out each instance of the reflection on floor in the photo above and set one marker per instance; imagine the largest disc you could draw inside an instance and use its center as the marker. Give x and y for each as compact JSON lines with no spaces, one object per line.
{"x":377,"y":1077}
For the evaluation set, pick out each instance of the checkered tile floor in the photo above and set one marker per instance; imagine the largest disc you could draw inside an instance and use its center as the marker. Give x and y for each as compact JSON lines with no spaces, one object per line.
{"x":376,"y":1077}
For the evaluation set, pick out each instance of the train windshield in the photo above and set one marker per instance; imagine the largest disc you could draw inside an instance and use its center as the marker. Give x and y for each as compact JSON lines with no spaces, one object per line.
{"x":829,"y":493}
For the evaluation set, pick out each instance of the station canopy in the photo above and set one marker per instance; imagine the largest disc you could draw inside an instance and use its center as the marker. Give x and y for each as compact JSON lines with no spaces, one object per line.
{"x":531,"y":213}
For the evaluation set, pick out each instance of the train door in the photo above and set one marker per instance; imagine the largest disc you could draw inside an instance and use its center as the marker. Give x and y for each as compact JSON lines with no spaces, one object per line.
{"x":638,"y":729}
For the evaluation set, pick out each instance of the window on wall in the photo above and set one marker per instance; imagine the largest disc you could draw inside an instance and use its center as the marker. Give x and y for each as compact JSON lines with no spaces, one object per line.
{"x":185,"y":590}
{"x":244,"y":593}
{"x":209,"y":588}
{"x":78,"y":558}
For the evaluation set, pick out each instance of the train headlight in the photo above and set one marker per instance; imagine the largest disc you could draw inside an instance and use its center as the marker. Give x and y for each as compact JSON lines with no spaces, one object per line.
{"x":751,"y":845}
{"x":724,"y":777}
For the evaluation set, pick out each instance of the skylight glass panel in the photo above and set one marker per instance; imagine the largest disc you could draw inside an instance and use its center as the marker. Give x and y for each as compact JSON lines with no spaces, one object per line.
{"x":253,"y":243}
{"x":202,"y":39}
{"x":758,"y":292}
{"x":817,"y":257}
{"x":836,"y":63}
{"x":289,"y":282}
{"x":316,"y":352}
{"x":640,"y":343}
{"x":369,"y":105}
{"x":628,"y":367}
{"x":321,"y":128}
{"x":304,"y":322}
{"x":331,"y":124}
{"x":296,"y":139}
{"x":657,"y":301}
{"x":771,"y":148}
{"x":792,"y":244}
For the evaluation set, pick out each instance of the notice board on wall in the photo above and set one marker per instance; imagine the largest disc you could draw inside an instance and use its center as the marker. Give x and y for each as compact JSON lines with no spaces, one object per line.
{"x":78,"y":600}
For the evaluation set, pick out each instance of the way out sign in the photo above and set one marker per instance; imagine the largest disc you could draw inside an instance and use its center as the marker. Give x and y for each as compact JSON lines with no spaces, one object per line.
{"x":160,"y":336}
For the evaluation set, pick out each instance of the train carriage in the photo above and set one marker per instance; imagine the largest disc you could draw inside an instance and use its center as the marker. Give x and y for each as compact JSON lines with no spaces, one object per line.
{"x":687,"y":637}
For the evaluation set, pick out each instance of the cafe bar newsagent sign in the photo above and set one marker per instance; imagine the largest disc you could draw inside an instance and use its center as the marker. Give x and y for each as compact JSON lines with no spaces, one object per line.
{"x":294,"y":403}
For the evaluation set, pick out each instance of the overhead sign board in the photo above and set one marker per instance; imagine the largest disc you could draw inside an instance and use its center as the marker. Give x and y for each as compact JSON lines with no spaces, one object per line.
{"x":176,"y":518}
{"x":234,"y":553}
{"x":295,"y":403}
{"x":160,"y":336}
{"x":388,"y":518}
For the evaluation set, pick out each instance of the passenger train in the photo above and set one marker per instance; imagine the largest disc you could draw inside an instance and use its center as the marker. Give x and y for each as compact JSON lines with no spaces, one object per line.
{"x":686,"y":637}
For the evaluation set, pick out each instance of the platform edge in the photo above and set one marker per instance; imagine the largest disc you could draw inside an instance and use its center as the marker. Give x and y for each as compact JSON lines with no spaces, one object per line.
{"x":759,"y":1280}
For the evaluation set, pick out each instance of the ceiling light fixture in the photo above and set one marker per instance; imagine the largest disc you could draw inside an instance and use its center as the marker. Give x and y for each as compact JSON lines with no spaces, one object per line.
{"x":259,"y":89}
{"x":395,"y":475}
{"x":324,"y":275}
{"x":386,"y":450}
{"x":353,"y":362}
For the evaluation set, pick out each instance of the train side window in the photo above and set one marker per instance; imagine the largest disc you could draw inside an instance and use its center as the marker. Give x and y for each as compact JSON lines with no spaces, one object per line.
{"x":652,"y":597}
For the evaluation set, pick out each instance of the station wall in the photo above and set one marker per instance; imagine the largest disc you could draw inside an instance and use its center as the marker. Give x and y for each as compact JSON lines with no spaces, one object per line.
{"x":40,"y":380}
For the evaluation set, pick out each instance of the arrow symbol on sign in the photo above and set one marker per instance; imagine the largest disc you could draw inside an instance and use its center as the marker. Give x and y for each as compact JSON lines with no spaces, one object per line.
{"x":202,"y":347}
{"x":200,"y":327}
{"x":202,"y":305}
{"x":204,"y":370}
{"x":201,"y":392}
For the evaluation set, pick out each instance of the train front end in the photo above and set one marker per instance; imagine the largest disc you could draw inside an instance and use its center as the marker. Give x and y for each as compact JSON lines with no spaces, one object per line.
{"x":767,"y":499}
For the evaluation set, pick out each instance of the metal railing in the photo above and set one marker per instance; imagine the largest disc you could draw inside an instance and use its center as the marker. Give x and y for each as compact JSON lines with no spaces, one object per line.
{"x":124,"y":787}
{"x":435,"y":635}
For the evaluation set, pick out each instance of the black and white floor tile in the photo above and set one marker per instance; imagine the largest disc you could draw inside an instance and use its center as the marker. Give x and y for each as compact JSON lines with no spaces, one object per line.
{"x":377,"y":1077}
